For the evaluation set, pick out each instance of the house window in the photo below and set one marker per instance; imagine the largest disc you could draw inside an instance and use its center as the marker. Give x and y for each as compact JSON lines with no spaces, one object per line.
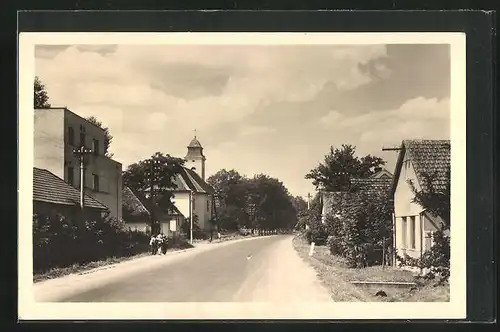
{"x":412,"y":232}
{"x":403,"y":232}
{"x":82,"y":139}
{"x":71,"y":136}
{"x":95,"y":146}
{"x":95,"y":181}
{"x":71,"y":176}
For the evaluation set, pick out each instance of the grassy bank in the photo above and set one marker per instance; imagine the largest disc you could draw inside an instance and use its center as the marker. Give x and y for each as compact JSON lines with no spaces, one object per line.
{"x":337,"y":277}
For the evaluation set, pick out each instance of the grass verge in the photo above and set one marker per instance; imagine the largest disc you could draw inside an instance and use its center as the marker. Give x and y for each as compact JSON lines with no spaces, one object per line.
{"x":336,"y":276}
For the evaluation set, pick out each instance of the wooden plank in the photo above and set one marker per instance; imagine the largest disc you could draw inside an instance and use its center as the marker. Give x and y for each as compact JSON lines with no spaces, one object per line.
{"x":383,"y":283}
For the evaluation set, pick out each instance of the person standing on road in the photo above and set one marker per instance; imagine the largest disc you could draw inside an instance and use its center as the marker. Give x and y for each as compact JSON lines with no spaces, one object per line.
{"x":153,"y":244}
{"x":164,"y":244}
{"x":159,"y":241}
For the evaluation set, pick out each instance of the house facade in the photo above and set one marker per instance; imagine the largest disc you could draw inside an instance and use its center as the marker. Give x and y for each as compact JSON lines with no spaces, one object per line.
{"x":413,"y":226}
{"x":57,"y":132}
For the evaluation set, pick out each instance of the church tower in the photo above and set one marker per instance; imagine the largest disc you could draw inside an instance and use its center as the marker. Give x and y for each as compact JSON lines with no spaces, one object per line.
{"x":195,"y":159}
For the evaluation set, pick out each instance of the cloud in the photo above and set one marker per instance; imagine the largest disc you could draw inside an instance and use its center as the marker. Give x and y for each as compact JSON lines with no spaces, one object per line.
{"x":256,"y":130}
{"x":237,"y":97}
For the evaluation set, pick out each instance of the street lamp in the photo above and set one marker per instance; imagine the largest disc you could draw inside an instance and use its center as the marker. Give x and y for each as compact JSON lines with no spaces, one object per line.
{"x":80,"y":154}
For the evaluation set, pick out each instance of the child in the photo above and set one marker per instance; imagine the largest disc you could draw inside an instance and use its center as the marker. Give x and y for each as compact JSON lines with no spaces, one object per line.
{"x":164,"y":244}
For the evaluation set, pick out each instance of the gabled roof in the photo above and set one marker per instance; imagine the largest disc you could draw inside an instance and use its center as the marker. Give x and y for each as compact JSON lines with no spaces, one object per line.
{"x":132,"y":203}
{"x":49,"y":188}
{"x":427,"y":156}
{"x":382,"y":173}
{"x":373,"y":186}
{"x":189,"y":180}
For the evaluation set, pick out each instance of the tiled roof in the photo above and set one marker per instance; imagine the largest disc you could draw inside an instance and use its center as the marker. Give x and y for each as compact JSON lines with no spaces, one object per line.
{"x":382,"y":173}
{"x":132,"y":203}
{"x":373,"y":186}
{"x":427,"y":156}
{"x":188,"y":180}
{"x":49,"y":188}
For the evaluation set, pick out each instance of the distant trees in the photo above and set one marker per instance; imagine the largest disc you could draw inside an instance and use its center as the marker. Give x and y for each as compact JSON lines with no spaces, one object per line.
{"x":41,"y":97}
{"x":260,"y":202}
{"x":108,"y":138}
{"x":340,"y":165}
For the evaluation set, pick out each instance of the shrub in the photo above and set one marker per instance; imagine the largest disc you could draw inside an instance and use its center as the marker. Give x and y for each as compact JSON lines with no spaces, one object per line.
{"x":435,"y":261}
{"x":61,"y":241}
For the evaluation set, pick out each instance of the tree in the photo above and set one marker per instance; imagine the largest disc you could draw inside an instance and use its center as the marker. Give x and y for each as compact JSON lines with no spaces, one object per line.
{"x":108,"y":138}
{"x":41,"y":98}
{"x":339,"y":166}
{"x":259,"y":202}
{"x":434,"y":196}
{"x":137,"y":179}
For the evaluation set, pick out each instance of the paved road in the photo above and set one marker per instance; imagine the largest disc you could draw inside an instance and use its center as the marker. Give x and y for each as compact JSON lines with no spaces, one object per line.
{"x":265,"y":269}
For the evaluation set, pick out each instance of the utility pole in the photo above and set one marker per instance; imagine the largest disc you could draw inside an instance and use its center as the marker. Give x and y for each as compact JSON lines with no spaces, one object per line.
{"x":152,"y":176}
{"x":191,"y":199}
{"x":308,"y":201}
{"x":80,"y":154}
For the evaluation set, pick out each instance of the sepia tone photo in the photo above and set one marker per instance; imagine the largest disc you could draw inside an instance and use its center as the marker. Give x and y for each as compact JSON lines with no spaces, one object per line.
{"x":234,"y":176}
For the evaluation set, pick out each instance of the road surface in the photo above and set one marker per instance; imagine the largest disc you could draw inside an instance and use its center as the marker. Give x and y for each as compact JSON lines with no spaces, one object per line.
{"x":263,"y":269}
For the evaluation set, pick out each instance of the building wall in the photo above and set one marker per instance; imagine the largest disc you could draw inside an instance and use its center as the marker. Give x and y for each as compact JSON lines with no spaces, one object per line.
{"x":66,"y":210}
{"x":200,"y":207}
{"x":405,"y":209}
{"x":139,"y":226}
{"x":49,"y":140}
{"x":198,"y":163}
{"x":108,"y":171}
{"x":182,"y":202}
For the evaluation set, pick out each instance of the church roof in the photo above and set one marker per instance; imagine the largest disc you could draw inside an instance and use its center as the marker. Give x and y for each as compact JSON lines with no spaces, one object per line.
{"x":194,"y":143}
{"x":188,"y":180}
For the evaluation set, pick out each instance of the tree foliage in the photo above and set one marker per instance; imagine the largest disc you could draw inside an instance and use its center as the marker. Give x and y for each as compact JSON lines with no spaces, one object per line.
{"x":41,"y":97}
{"x":339,"y":166}
{"x":108,"y":138}
{"x":359,"y":227}
{"x":434,"y":197}
{"x":61,"y":240}
{"x":259,"y":202}
{"x":137,"y":178}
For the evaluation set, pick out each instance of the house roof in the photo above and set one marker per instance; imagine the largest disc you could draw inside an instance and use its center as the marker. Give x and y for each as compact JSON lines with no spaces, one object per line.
{"x":373,"y":186}
{"x":49,"y":188}
{"x":189,"y":180}
{"x":382,"y":173}
{"x":132,"y":203}
{"x":427,"y":156}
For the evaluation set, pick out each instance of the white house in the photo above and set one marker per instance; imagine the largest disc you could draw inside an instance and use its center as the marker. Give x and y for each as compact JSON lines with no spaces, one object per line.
{"x":192,"y":195}
{"x":138,"y":217}
{"x":413,"y":226}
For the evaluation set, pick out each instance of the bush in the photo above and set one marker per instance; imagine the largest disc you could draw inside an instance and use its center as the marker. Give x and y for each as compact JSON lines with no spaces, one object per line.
{"x":435,"y":261}
{"x":61,"y":241}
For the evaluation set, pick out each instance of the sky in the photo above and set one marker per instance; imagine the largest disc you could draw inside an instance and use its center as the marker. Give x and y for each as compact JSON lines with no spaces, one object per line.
{"x":273,"y":109}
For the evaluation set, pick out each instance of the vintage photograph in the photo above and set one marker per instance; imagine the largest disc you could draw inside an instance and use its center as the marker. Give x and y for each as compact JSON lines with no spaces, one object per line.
{"x":230,"y":171}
